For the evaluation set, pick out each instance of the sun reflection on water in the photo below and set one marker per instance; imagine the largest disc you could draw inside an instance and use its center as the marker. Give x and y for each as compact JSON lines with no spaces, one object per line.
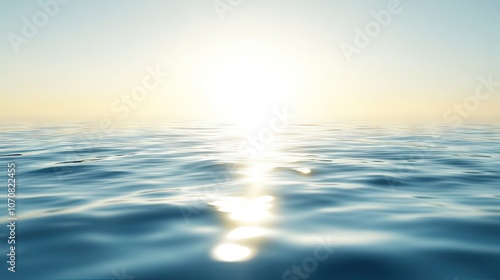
{"x":247,"y":217}
{"x":229,"y":252}
{"x":245,"y":232}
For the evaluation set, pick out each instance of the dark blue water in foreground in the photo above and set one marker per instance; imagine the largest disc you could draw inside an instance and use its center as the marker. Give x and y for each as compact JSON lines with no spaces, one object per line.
{"x":325,"y":201}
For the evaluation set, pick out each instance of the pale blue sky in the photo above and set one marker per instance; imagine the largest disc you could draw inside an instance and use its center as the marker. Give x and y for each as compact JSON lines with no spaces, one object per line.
{"x":92,"y":50}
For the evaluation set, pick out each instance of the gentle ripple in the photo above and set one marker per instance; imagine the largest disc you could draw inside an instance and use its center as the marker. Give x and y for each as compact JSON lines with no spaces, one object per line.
{"x":178,"y":201}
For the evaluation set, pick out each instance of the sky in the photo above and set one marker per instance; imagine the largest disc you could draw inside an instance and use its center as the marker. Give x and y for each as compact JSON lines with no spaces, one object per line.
{"x":235,"y":59}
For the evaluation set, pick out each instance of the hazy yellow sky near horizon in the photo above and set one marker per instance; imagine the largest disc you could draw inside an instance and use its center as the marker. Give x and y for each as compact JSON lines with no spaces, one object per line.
{"x":128,"y":60}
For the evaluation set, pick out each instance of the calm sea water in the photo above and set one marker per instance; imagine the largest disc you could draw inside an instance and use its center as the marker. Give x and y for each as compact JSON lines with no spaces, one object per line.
{"x":323,"y":201}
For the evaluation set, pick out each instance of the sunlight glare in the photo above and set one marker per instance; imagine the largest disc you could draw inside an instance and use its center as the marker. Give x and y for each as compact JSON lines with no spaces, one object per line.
{"x":245,"y":232}
{"x":231,"y":252}
{"x":245,"y":81}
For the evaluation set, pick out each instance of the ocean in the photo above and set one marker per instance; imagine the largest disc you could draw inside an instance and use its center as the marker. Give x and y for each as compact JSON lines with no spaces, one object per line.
{"x":319,"y":201}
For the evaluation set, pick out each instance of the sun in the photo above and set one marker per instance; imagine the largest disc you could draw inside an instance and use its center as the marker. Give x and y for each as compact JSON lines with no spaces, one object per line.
{"x":246,"y":81}
{"x":245,"y":90}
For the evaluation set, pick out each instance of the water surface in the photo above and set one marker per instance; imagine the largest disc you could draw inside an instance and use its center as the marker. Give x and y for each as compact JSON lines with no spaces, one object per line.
{"x":324,"y":201}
